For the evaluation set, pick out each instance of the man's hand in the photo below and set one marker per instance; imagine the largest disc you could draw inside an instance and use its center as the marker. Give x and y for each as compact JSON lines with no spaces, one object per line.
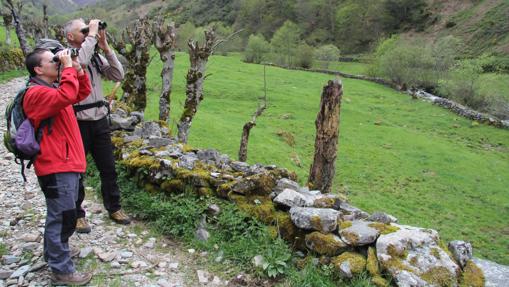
{"x":93,"y":27}
{"x":103,"y":42}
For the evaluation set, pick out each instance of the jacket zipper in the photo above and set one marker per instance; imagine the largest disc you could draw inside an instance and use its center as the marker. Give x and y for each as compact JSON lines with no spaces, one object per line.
{"x":66,"y":151}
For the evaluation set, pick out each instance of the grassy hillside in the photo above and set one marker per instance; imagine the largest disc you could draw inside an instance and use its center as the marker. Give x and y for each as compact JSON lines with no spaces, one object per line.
{"x":482,"y":25}
{"x":419,"y":162}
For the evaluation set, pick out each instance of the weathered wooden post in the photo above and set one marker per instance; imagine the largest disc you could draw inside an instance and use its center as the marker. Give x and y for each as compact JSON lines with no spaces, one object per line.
{"x":136,"y":53}
{"x":165,"y":38}
{"x":244,"y":140}
{"x":323,"y":168}
{"x":198,"y":56}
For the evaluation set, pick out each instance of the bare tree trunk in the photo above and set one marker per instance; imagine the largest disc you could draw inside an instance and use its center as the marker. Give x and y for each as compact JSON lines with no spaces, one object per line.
{"x":20,"y":32}
{"x":323,"y":168}
{"x":137,"y":54}
{"x":198,"y":56}
{"x":244,"y":140}
{"x":45,"y":19}
{"x":8,"y":24}
{"x":165,"y":39}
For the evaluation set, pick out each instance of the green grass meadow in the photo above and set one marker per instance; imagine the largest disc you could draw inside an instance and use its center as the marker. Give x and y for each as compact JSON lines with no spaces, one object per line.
{"x":421,"y":163}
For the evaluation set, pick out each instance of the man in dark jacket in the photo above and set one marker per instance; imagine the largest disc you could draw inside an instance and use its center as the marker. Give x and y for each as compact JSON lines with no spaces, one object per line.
{"x":61,"y":159}
{"x":92,"y":114}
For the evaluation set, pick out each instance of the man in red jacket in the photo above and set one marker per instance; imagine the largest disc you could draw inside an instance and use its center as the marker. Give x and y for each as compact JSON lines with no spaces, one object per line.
{"x":61,"y":159}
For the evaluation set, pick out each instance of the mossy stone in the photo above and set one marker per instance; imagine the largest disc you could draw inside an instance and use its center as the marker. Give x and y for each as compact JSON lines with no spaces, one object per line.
{"x":472,"y":276}
{"x":325,"y":244}
{"x":439,"y":276}
{"x":384,"y":228}
{"x":372,"y":263}
{"x":356,"y":261}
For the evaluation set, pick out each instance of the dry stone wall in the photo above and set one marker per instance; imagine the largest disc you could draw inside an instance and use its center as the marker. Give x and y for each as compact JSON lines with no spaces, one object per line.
{"x":322,"y":225}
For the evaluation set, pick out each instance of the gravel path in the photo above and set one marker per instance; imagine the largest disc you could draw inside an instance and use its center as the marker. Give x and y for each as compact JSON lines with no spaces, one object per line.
{"x":117,"y":255}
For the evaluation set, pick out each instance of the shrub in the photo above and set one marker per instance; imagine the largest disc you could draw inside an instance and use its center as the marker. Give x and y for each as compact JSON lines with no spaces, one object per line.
{"x":406,"y":63}
{"x":304,"y":56}
{"x":11,"y":59}
{"x":256,"y":50}
{"x":327,"y":54}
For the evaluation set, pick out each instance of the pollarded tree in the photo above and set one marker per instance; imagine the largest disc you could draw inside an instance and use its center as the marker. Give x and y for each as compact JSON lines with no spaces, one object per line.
{"x":134,"y":46}
{"x":165,"y":37}
{"x":284,"y":44}
{"x":256,"y":50}
{"x":198,"y":56}
{"x":7,"y":17}
{"x":15,"y":9}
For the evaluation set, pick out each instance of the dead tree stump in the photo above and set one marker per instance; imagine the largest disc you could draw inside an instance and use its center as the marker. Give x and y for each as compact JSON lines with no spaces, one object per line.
{"x":198,"y":56}
{"x":323,"y":168}
{"x":134,"y":46}
{"x":244,"y":140}
{"x":165,"y":39}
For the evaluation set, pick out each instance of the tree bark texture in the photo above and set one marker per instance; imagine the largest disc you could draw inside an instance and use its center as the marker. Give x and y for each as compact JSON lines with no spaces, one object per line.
{"x":45,"y":19}
{"x":20,"y":32}
{"x":165,"y":39}
{"x":198,"y":55}
{"x":134,"y":46}
{"x":244,"y":140}
{"x":7,"y":17}
{"x":323,"y":168}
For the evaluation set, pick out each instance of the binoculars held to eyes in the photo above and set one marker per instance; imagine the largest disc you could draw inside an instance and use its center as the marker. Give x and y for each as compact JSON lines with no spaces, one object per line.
{"x":73,"y":51}
{"x":102,"y":26}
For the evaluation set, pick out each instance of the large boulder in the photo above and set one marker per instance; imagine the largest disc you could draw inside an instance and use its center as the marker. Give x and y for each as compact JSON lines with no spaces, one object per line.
{"x":414,"y":257}
{"x":359,"y":233}
{"x":321,"y":219}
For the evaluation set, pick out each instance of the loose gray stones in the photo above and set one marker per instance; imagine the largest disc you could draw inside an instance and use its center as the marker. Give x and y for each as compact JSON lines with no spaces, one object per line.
{"x":461,"y":251}
{"x":320,"y":219}
{"x":359,"y":234}
{"x":291,"y":198}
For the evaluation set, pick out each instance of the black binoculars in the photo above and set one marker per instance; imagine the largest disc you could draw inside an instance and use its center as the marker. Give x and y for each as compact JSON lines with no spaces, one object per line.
{"x":102,"y":26}
{"x":74,"y":53}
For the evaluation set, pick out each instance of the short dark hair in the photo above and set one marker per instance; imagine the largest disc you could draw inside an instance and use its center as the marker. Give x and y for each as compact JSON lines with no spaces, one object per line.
{"x":33,"y":60}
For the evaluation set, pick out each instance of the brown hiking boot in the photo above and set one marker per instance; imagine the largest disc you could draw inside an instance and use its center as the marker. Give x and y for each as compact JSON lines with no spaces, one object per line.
{"x":82,"y":225}
{"x":120,"y":217}
{"x":76,"y":278}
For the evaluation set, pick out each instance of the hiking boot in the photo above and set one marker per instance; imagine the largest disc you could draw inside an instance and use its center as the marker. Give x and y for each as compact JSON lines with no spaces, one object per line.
{"x":74,"y":251}
{"x":82,"y":225}
{"x":76,"y":278}
{"x":120,"y":217}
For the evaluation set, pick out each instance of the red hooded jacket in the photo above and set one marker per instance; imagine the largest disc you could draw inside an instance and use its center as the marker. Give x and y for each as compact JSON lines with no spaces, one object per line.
{"x":61,"y":150}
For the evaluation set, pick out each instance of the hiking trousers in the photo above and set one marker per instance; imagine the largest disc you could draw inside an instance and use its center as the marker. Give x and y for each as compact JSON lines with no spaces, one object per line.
{"x":96,"y":138}
{"x":61,"y":192}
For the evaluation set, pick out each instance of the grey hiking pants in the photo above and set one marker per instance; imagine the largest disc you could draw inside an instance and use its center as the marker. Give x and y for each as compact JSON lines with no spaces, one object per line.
{"x":61,"y":192}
